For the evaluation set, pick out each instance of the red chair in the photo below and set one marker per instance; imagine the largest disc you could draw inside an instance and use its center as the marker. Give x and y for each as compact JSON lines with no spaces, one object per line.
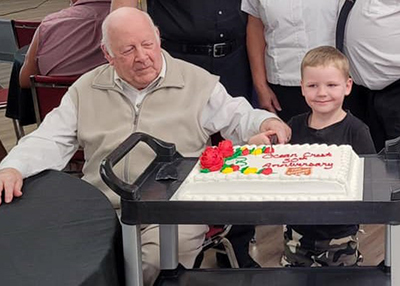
{"x":24,"y":31}
{"x":3,"y":97}
{"x":216,"y":236}
{"x":47,"y":92}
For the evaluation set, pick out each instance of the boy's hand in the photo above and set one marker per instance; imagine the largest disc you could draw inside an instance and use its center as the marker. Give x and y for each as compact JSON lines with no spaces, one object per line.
{"x":10,"y":184}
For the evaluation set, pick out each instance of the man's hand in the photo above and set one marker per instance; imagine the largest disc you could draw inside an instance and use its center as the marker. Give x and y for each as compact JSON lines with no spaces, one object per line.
{"x":10,"y":184}
{"x":263,"y":138}
{"x":275,"y":126}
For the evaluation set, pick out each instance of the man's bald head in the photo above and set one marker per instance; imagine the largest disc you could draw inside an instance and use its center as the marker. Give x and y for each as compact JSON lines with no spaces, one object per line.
{"x":125,"y":17}
{"x":131,"y":43}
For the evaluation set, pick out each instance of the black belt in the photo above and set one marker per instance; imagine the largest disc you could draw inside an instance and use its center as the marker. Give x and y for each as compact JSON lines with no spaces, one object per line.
{"x":216,"y":50}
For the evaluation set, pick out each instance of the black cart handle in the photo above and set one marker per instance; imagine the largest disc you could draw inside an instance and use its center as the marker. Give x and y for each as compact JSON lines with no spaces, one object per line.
{"x":165,"y":152}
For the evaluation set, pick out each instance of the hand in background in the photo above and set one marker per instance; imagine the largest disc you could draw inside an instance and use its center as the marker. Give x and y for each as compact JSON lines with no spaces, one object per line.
{"x":268,"y":100}
{"x":10,"y":184}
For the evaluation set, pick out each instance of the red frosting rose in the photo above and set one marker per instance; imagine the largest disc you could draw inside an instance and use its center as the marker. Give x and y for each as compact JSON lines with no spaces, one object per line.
{"x":226,"y":148}
{"x":211,"y":159}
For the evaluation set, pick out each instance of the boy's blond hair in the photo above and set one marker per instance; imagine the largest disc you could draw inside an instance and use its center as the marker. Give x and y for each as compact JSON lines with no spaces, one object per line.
{"x":326,"y":56}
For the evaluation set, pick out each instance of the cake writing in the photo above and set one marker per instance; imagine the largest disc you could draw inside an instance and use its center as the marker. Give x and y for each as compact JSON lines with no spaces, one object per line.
{"x":294,"y":160}
{"x":305,"y":155}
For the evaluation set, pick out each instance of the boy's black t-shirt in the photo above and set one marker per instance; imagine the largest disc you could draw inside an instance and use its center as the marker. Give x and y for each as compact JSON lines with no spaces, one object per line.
{"x":351,"y":131}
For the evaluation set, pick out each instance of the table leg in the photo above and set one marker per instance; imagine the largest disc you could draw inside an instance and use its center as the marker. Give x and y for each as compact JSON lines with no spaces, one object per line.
{"x":168,"y":246}
{"x":132,"y":244}
{"x":395,"y":255}
{"x":387,"y":246}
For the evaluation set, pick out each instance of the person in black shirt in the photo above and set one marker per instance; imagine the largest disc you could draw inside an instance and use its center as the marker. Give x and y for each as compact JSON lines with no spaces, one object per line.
{"x":325,"y":83}
{"x":212,"y":35}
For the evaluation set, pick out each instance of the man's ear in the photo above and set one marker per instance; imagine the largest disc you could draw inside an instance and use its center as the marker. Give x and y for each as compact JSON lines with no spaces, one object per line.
{"x":158,"y":35}
{"x":107,"y":55}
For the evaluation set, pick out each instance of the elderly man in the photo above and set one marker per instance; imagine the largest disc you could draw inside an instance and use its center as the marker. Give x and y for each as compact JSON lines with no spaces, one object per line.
{"x":141,"y":89}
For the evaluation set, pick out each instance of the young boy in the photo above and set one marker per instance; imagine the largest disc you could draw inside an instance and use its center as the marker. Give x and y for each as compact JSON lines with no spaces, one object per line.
{"x":325,"y":82}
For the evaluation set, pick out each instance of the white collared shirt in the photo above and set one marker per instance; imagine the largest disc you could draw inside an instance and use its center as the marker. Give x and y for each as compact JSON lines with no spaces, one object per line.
{"x":292,"y":28}
{"x":135,"y":95}
{"x":52,"y":145}
{"x":372,"y":42}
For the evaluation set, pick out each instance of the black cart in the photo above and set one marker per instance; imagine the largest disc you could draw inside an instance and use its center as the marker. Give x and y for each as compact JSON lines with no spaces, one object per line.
{"x":146,"y":201}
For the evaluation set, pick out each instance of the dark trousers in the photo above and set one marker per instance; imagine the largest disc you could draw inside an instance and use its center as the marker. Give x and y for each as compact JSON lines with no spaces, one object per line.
{"x":291,"y":100}
{"x":240,"y":236}
{"x":234,"y":72}
{"x":379,"y":109}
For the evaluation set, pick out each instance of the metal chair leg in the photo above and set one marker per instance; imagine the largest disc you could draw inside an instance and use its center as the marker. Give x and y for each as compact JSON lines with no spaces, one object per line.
{"x":387,"y":261}
{"x":19,"y":130}
{"x":230,"y":253}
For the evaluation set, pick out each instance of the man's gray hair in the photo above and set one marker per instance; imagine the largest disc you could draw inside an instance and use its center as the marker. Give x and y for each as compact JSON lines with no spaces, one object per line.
{"x":104,"y":29}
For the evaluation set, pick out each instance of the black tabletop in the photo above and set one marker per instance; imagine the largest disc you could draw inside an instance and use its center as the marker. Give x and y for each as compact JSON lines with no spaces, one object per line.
{"x":19,"y":101}
{"x":62,"y":231}
{"x":381,"y":178}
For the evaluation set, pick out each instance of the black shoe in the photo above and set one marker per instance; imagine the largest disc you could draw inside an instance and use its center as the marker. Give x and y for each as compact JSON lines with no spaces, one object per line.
{"x":223,"y":262}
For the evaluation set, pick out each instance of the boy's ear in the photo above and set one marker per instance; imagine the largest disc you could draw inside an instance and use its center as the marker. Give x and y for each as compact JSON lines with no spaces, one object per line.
{"x":302,"y":85}
{"x":349,"y":85}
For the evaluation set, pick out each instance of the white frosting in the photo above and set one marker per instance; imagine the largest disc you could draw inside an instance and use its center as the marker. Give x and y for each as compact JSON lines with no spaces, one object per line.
{"x":336,"y":175}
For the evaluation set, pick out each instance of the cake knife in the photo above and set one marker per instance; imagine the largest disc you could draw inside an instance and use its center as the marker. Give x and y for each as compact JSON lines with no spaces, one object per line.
{"x":273,"y":139}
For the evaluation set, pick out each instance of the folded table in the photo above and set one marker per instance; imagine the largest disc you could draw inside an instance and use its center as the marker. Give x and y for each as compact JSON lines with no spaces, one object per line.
{"x":62,"y":231}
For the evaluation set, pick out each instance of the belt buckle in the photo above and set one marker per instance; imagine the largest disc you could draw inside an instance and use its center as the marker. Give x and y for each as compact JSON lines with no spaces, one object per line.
{"x":218,"y":50}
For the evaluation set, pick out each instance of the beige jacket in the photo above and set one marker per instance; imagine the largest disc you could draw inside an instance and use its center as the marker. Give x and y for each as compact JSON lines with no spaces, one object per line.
{"x":171,"y":112}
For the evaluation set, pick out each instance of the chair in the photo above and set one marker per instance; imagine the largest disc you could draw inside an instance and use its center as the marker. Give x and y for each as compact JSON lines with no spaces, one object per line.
{"x":216,"y":236}
{"x":23,"y":34}
{"x":8,"y":46}
{"x":3,"y":97}
{"x":47,"y":92}
{"x":24,"y":31}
